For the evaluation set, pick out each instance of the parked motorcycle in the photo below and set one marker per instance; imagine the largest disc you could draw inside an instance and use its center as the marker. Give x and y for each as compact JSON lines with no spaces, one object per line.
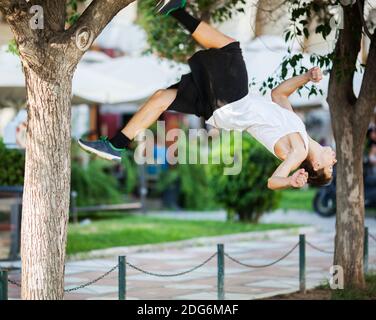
{"x":324,"y":202}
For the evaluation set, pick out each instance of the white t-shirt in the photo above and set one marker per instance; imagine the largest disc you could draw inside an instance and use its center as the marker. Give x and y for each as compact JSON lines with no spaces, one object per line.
{"x":265,"y":120}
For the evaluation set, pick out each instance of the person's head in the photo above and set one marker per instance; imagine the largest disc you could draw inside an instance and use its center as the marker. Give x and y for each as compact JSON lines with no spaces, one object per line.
{"x":372,"y":135}
{"x":320,"y":167}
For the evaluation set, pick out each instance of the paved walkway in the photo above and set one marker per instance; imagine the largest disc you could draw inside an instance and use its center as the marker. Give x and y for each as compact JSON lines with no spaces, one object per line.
{"x":240,"y":282}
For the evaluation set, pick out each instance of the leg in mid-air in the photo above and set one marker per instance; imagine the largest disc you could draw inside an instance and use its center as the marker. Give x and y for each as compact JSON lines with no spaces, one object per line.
{"x":206,"y":35}
{"x":150,"y":111}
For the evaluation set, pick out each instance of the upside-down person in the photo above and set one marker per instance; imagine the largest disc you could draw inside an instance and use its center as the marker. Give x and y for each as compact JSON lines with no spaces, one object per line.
{"x":217,"y":89}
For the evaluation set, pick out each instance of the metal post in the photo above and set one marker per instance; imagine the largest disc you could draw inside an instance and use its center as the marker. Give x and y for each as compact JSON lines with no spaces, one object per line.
{"x":143,"y":187}
{"x":73,"y":206}
{"x":365,"y":250}
{"x":221,"y":271}
{"x":3,"y":285}
{"x":302,"y":264}
{"x":122,"y":279}
{"x":15,"y":218}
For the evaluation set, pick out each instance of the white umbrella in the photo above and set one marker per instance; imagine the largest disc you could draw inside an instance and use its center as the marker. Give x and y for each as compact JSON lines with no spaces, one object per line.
{"x":12,"y":78}
{"x":124,"y":79}
{"x":119,"y":80}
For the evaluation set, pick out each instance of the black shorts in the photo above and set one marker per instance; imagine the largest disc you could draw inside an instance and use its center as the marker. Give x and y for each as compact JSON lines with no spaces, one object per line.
{"x":217,"y":77}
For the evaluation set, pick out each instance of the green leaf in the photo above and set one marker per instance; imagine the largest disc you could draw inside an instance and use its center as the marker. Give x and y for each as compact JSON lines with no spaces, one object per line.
{"x":13,"y":47}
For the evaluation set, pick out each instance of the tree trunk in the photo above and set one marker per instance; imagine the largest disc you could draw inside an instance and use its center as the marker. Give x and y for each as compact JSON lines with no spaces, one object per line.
{"x":249,"y":217}
{"x":47,"y":185}
{"x":349,"y":122}
{"x":350,"y":203}
{"x":49,"y":57}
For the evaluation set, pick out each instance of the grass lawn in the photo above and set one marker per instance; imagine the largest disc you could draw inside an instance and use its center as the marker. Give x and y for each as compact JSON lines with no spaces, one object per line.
{"x":324,"y":292}
{"x":297,"y":199}
{"x":135,"y":230}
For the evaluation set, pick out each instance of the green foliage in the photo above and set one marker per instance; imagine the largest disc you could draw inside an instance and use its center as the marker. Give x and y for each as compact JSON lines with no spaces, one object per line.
{"x":130,"y":171}
{"x":297,"y":199}
{"x":194,"y":180}
{"x":94,"y":185}
{"x":368,"y":293}
{"x":12,"y":166}
{"x":168,"y":39}
{"x":348,"y":293}
{"x":164,"y":35}
{"x":72,"y":11}
{"x":12,"y":48}
{"x":225,"y":10}
{"x":194,"y":183}
{"x":246,"y":194}
{"x":302,"y":13}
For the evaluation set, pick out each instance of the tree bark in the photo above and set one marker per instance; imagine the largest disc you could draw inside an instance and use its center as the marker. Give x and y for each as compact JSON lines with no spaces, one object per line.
{"x":47,"y":185}
{"x":350,"y":203}
{"x":49,"y":57}
{"x":350,"y":118}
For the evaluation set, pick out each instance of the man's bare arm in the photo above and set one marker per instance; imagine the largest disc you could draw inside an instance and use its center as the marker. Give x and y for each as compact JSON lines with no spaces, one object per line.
{"x":280,"y":179}
{"x":281,"y":93}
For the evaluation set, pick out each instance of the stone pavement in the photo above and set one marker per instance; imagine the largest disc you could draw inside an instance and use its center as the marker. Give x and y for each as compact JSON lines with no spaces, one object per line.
{"x":240,"y":282}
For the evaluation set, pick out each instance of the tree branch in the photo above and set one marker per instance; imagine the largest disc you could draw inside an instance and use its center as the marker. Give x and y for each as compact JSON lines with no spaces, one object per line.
{"x":367,"y":95}
{"x":8,"y":6}
{"x":17,"y":15}
{"x":54,"y":14}
{"x":93,"y":20}
{"x":361,"y":13}
{"x":4,"y":5}
{"x":346,"y":53}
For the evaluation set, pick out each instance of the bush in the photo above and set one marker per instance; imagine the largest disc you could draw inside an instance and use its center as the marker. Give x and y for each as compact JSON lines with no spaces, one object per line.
{"x":192,"y":180}
{"x":168,"y":38}
{"x":12,"y":163}
{"x":96,"y":183}
{"x":246,"y":194}
{"x":194,"y":185}
{"x":93,"y":185}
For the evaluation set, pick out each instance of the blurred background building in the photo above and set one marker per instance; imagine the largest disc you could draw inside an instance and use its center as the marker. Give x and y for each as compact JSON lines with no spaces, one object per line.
{"x":114,"y":78}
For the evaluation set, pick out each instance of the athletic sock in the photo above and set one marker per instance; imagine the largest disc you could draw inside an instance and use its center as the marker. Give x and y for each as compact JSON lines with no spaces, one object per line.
{"x":120,"y":140}
{"x":187,"y":20}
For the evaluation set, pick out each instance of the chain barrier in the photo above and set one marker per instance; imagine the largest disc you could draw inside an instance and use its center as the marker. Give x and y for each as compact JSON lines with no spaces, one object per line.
{"x":318,"y":249}
{"x":18,"y":284}
{"x":92,"y":281}
{"x":132,"y":266}
{"x":172,"y":274}
{"x":15,"y":283}
{"x":264,"y":265}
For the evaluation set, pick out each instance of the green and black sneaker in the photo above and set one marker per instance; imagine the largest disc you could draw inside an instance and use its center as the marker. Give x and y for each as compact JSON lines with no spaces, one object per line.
{"x":165,"y":7}
{"x":102,"y":148}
